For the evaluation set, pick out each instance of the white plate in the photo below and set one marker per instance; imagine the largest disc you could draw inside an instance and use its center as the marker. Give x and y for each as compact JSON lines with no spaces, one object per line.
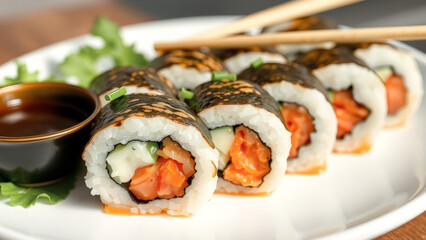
{"x":358,"y":197}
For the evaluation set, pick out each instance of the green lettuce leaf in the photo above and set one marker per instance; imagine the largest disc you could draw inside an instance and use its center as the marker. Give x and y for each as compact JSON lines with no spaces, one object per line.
{"x":22,"y":75}
{"x":82,"y":64}
{"x":27,"y":196}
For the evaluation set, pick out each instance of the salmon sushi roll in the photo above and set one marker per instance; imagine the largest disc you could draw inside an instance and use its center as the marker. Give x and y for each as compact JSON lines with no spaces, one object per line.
{"x":237,"y":60}
{"x":135,"y":79}
{"x":187,"y":68}
{"x":150,"y":154}
{"x":357,"y":93}
{"x":302,"y":24}
{"x":248,"y":131}
{"x":401,"y":74}
{"x":306,"y":110}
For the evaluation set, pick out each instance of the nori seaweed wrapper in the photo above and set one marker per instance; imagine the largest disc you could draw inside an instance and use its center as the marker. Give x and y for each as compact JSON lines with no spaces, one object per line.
{"x":363,"y":45}
{"x":148,"y":106}
{"x":271,"y":73}
{"x":319,"y":58}
{"x":188,"y":59}
{"x":224,"y":54}
{"x":310,"y":23}
{"x":132,"y":76}
{"x":228,"y":92}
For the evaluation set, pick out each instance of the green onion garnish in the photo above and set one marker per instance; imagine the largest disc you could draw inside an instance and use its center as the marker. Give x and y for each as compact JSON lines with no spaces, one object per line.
{"x":219,"y":75}
{"x":115,"y":94}
{"x":280,"y":105}
{"x":256,"y":63}
{"x":186,"y":94}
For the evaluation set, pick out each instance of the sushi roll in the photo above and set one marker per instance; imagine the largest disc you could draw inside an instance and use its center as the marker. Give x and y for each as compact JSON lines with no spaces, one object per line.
{"x":248,"y":131}
{"x":239,"y":59}
{"x":398,"y":69}
{"x":357,"y":93}
{"x":135,"y":79}
{"x":306,"y":111}
{"x":302,"y":24}
{"x":150,"y":154}
{"x":187,"y":68}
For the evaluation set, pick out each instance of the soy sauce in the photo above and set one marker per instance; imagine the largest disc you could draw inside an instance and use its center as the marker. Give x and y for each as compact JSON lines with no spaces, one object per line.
{"x":36,"y":117}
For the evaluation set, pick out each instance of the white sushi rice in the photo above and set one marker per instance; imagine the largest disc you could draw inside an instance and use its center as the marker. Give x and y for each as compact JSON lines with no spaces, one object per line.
{"x":151,"y":129}
{"x":241,"y":61}
{"x":404,"y":65}
{"x":188,"y":78}
{"x":324,"y":120}
{"x":129,"y":90}
{"x":270,"y":130}
{"x":368,"y":90}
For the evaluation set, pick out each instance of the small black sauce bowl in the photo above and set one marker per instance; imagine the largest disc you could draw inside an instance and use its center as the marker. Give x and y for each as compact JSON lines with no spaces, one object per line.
{"x":42,"y":159}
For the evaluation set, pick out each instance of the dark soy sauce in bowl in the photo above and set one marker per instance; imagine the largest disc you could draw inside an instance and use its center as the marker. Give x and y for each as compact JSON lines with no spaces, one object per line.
{"x":36,"y":117}
{"x":43,"y":130}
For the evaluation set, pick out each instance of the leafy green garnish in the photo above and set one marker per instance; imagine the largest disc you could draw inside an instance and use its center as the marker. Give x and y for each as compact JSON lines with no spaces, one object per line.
{"x":114,"y":45}
{"x":82,"y":64}
{"x":24,"y":76}
{"x":27,"y":196}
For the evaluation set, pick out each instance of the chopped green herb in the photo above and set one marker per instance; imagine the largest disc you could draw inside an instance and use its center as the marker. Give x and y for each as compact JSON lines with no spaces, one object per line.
{"x":280,"y":105}
{"x":186,"y":94}
{"x":115,"y":94}
{"x":27,"y":196}
{"x":219,"y":75}
{"x":256,"y":63}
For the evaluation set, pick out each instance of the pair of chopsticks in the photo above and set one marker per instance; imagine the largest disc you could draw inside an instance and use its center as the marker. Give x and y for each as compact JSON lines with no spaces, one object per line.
{"x":216,"y":38}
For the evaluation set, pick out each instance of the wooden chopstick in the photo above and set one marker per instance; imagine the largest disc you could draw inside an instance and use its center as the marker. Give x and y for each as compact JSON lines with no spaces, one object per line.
{"x":280,"y":13}
{"x":313,"y":36}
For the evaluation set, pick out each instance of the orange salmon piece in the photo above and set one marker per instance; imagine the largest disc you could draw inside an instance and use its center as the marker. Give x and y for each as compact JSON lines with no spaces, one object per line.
{"x":167,"y":177}
{"x":395,"y":93}
{"x":299,"y":123}
{"x":348,"y":112}
{"x":249,"y":159}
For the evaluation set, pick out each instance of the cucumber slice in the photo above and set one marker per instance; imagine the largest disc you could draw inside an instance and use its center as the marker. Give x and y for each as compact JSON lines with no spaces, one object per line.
{"x":330,"y":94}
{"x":384,"y":72}
{"x":116,"y":179}
{"x":125,"y":159}
{"x":223,"y":138}
{"x":152,"y":148}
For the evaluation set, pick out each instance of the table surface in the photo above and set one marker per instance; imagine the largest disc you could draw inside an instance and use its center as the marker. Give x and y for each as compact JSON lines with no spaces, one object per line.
{"x":34,"y":30}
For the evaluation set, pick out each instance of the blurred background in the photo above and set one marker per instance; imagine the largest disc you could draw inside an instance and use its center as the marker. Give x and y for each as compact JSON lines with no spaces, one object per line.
{"x":26,"y":25}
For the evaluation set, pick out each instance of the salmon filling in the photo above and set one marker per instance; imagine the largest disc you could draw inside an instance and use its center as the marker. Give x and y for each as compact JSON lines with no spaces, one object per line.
{"x":167,"y":177}
{"x":298,"y":121}
{"x":249,"y":159}
{"x":348,"y":112}
{"x":395,"y":93}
